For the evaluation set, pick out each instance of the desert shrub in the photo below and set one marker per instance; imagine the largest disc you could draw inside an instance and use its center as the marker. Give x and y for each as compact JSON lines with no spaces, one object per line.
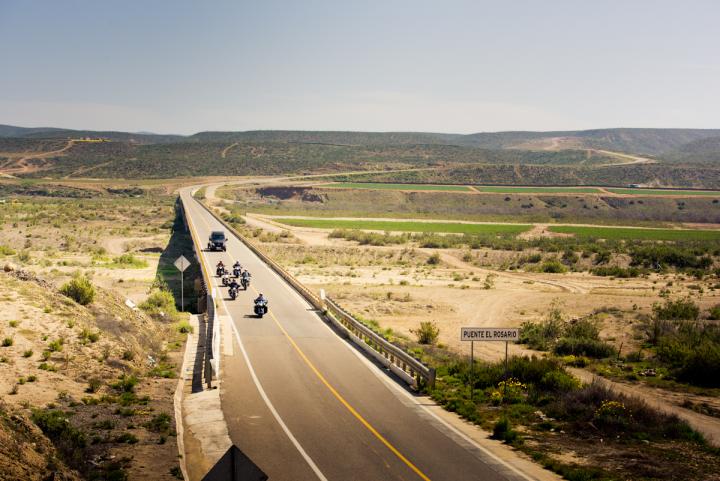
{"x":79,"y":289}
{"x":6,"y":251}
{"x":679,"y":309}
{"x":160,"y":303}
{"x":160,"y":423}
{"x":702,"y":366}
{"x":553,"y":267}
{"x":541,"y":335}
{"x":615,"y":271}
{"x":660,"y":256}
{"x":613,"y":413}
{"x":94,"y":384}
{"x":503,"y":431}
{"x":583,"y":347}
{"x":126,"y":438}
{"x":434,"y":259}
{"x":558,"y":381}
{"x":583,"y":329}
{"x":8,"y":341}
{"x":56,"y":345}
{"x":184,"y":327}
{"x":126,"y":384}
{"x":714,"y":313}
{"x":70,"y":441}
{"x":129,"y":260}
{"x":427,"y":333}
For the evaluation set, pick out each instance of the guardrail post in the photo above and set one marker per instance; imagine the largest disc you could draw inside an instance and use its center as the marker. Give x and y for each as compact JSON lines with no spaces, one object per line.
{"x":431,"y":379}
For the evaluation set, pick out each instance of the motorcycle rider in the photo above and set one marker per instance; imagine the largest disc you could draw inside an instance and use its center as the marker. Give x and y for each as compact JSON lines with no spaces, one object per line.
{"x":261,"y":299}
{"x":220,"y":268}
{"x":233,"y":288}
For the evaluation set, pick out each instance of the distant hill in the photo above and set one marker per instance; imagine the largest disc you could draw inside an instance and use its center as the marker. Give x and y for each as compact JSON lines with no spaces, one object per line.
{"x":39,"y":152}
{"x":12,"y":131}
{"x":635,"y":141}
{"x":704,"y":151}
{"x":55,"y":133}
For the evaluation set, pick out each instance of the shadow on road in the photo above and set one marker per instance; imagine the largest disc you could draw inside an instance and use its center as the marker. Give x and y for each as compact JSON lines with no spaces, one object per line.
{"x":180,"y":243}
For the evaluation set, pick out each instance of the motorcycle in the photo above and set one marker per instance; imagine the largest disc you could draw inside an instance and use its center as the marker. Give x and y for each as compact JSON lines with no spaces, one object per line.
{"x":245,"y":281}
{"x":236,"y":271}
{"x":220,"y":271}
{"x":261,"y":308}
{"x":225,"y":280}
{"x":233,"y":293}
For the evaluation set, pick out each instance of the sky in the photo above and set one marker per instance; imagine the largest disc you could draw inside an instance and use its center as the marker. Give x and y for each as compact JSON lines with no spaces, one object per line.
{"x":175,"y":66}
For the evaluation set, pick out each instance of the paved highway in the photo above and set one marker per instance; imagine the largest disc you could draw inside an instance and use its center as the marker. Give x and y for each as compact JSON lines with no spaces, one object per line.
{"x":303,"y":404}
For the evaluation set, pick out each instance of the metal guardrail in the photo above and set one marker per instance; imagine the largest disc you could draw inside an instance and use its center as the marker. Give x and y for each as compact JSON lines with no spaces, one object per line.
{"x":402,"y":364}
{"x":209,"y":293}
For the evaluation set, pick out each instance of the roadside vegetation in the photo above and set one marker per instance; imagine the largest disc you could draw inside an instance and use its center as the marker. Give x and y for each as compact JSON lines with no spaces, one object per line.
{"x":78,"y":360}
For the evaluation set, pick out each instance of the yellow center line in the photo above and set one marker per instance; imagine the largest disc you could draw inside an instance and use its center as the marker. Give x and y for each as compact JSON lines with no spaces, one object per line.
{"x":339,"y":397}
{"x":345,"y":403}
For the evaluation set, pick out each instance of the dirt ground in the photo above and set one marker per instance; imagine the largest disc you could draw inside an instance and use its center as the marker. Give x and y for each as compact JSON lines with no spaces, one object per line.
{"x":395,"y":286}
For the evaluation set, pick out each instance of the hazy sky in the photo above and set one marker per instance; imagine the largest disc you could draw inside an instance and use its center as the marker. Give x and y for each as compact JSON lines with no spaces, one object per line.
{"x":443,"y":66}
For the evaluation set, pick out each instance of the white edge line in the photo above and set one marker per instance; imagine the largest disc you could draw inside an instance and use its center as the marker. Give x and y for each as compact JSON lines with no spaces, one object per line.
{"x":383,"y":377}
{"x":275,"y":414}
{"x":267,"y":401}
{"x":380,"y":375}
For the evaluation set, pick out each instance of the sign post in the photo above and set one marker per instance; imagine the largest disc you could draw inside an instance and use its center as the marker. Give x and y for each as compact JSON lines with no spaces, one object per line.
{"x":181,"y":263}
{"x":473,"y":334}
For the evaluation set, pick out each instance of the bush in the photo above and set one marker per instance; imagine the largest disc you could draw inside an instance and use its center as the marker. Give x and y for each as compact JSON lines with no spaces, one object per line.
{"x":80,"y":290}
{"x":714,"y":313}
{"x":129,"y":260}
{"x":69,"y":440}
{"x":427,"y":333}
{"x":184,"y":327}
{"x":160,"y":423}
{"x":616,"y":272}
{"x":503,"y":431}
{"x":679,"y":309}
{"x":541,"y":335}
{"x":8,"y":341}
{"x":160,"y":303}
{"x":126,"y":438}
{"x":577,"y":346}
{"x":94,"y":384}
{"x":434,"y":259}
{"x":126,"y":384}
{"x":553,"y":267}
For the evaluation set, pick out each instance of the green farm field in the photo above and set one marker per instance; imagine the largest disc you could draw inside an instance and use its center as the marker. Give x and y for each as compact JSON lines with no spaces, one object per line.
{"x":629,"y":233}
{"x":383,"y":186}
{"x":407,"y":226}
{"x":664,"y":192}
{"x":497,"y":189}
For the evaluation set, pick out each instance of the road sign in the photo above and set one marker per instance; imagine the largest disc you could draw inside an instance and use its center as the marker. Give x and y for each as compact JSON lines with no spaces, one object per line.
{"x":489,"y":334}
{"x":181,"y":263}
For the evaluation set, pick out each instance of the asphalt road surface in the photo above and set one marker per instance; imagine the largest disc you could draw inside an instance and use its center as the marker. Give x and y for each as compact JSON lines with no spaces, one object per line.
{"x":303,"y":404}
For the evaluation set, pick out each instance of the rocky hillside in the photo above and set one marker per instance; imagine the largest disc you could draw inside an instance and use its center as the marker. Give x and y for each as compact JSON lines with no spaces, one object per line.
{"x":87,"y":389}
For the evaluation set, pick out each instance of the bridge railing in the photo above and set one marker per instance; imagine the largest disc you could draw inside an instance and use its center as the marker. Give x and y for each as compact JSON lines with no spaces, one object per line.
{"x":402,"y":364}
{"x":210,"y":312}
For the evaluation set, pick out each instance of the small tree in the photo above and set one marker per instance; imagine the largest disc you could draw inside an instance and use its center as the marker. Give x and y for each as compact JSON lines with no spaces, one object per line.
{"x":80,"y":290}
{"x":427,"y":333}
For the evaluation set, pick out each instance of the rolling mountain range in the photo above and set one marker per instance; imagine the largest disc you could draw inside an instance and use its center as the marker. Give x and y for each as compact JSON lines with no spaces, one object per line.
{"x":54,"y":152}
